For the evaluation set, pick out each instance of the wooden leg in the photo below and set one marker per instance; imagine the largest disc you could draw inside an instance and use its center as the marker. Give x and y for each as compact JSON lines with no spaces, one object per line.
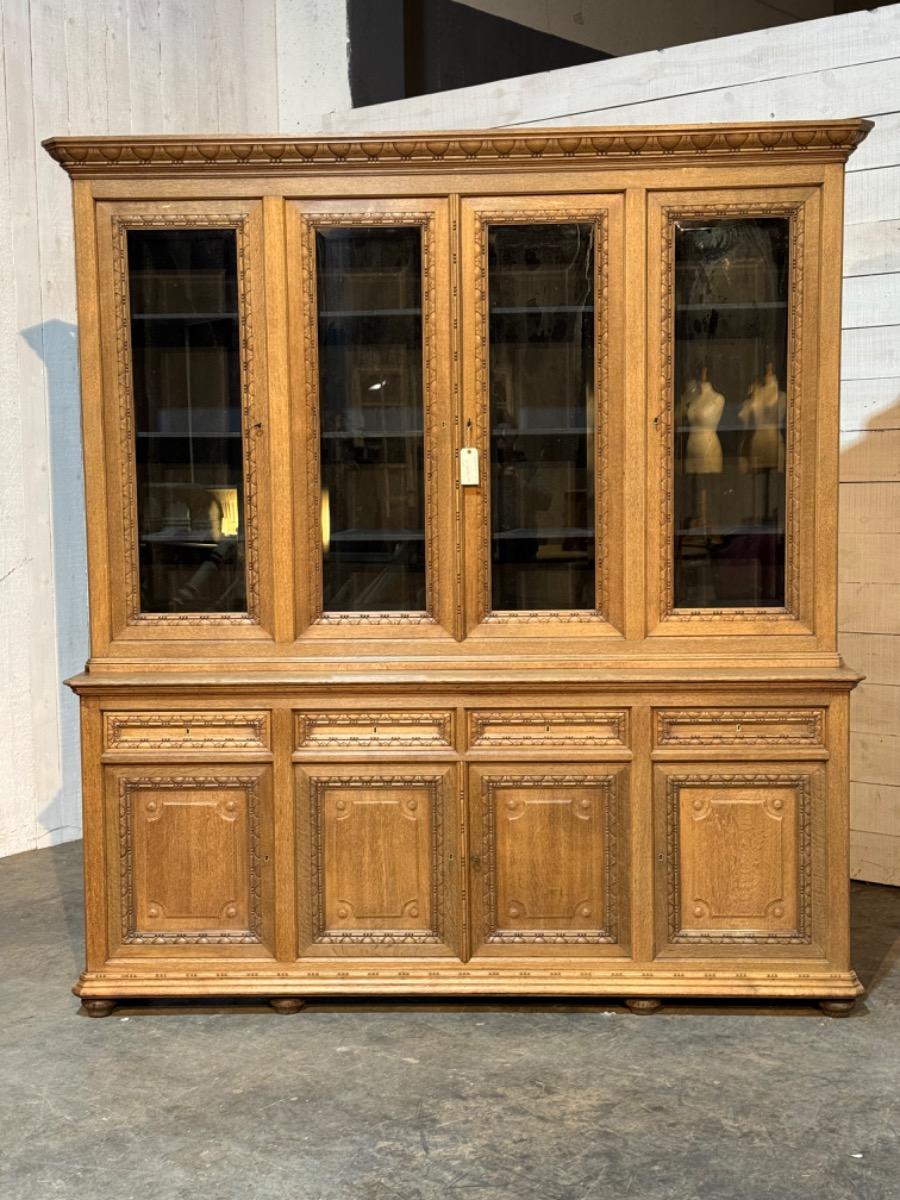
{"x":838,"y":1008}
{"x":93,"y":1007}
{"x":287,"y":1004}
{"x":644,"y":1004}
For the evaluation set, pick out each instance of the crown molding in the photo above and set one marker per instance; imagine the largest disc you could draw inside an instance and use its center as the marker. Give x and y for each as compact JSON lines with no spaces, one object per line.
{"x":775,"y":141}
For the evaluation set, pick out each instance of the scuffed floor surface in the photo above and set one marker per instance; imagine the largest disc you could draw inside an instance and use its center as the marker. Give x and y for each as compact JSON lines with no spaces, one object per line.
{"x":417,"y":1101}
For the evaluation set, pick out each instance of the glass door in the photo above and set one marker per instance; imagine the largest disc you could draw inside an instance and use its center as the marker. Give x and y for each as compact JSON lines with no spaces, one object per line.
{"x":373,"y":307}
{"x":540,"y":499}
{"x":733,"y":370}
{"x":183,"y":338}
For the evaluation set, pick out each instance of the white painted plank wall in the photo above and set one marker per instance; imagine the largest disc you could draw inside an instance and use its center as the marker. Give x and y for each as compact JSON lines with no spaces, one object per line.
{"x":836,"y":67}
{"x":94,"y":67}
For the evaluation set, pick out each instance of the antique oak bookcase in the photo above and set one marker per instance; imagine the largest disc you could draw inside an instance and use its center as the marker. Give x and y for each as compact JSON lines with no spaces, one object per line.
{"x":462,"y":517}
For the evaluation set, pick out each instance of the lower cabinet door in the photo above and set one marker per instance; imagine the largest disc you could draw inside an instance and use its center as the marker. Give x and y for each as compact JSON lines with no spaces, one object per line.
{"x":548,"y":859}
{"x":190,"y":854}
{"x":378,"y":859}
{"x":740,"y":856}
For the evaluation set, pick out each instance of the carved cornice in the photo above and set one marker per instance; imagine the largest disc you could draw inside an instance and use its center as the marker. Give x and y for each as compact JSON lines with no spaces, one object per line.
{"x":830,"y":141}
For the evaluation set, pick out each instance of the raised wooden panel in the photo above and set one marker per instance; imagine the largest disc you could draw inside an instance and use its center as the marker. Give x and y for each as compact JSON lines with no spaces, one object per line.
{"x":549,"y":728}
{"x":373,"y":729}
{"x":678,"y":727}
{"x":545,"y":856}
{"x":376,"y":862}
{"x":186,"y":730}
{"x":738,"y":854}
{"x":190,"y":855}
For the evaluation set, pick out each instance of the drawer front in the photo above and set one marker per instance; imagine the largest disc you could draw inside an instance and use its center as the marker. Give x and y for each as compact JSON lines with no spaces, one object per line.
{"x":504,"y":729}
{"x":406,"y":729}
{"x":124,"y":731}
{"x":684,"y":727}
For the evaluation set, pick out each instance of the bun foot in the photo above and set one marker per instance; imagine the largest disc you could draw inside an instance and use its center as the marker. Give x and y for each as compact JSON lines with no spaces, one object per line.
{"x":837,"y":1008}
{"x":97,"y":1008}
{"x":287,"y":1004}
{"x":644,"y":1005}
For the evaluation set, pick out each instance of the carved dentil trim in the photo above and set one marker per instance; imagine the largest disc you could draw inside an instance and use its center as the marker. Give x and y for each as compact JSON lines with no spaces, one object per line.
{"x":321,"y":935}
{"x":798,"y":726}
{"x":493,"y":935}
{"x":599,"y":219}
{"x":310,"y":222}
{"x":611,"y":727}
{"x":347,"y":729}
{"x":801,"y":783}
{"x":128,"y":786}
{"x":125,"y":378}
{"x":770,"y":141}
{"x":256,"y":723}
{"x":794,"y":212}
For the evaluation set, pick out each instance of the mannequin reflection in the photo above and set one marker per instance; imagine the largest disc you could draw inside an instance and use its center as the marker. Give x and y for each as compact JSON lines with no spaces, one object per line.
{"x":762,"y":451}
{"x":701,"y":409}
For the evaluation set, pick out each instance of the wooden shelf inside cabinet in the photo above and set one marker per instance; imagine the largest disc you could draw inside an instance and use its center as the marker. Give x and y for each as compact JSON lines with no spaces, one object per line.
{"x":435,"y":598}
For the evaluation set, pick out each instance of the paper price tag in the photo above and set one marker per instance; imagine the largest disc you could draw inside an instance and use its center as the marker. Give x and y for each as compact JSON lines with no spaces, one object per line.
{"x":468,"y":466}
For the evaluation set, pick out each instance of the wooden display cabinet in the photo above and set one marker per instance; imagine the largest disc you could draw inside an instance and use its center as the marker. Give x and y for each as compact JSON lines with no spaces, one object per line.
{"x":462,"y":522}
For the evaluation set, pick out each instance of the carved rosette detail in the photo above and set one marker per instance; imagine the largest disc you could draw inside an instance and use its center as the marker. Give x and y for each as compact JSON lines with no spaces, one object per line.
{"x":393,"y":937}
{"x":255,"y":723}
{"x":125,"y":384}
{"x":310,"y":223}
{"x":607,"y":934}
{"x":829,"y":140}
{"x":349,"y":729}
{"x":534,"y":216}
{"x":799,"y":727}
{"x":131,"y":936}
{"x":802,"y":936}
{"x":794,"y":212}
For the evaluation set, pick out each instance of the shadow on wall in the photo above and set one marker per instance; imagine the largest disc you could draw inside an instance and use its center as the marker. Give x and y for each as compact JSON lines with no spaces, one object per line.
{"x":55,"y":343}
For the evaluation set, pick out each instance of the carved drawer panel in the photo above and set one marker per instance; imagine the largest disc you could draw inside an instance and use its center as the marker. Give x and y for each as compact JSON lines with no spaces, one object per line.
{"x":788,"y":727}
{"x":193,"y":848}
{"x":377,"y":859}
{"x":505,"y":729}
{"x":389,"y":729}
{"x":738,"y":850}
{"x":544,"y":857}
{"x":225,"y":730}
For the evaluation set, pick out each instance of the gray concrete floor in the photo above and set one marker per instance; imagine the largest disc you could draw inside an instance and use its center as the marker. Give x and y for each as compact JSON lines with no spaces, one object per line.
{"x":365,"y":1101}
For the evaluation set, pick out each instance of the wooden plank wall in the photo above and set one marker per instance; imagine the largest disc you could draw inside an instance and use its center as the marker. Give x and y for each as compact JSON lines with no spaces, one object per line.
{"x":93,"y":67}
{"x":837,"y":67}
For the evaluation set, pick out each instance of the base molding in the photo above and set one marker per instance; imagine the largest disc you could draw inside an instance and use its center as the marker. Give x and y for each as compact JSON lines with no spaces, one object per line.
{"x":400,"y":980}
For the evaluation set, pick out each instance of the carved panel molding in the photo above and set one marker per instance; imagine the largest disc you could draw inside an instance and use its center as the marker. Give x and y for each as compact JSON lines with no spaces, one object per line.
{"x":129,"y":788}
{"x":510,"y":728}
{"x":801,"y":785}
{"x":250,"y":426}
{"x":186,"y":730}
{"x":371,"y":729}
{"x":740,"y":726}
{"x":322,"y":935}
{"x":608,"y":931}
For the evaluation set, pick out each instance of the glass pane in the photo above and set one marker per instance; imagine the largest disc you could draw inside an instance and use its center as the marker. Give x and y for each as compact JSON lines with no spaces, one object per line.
{"x":187,"y":402}
{"x":541,"y":345}
{"x":370,"y":395}
{"x":731,"y":341}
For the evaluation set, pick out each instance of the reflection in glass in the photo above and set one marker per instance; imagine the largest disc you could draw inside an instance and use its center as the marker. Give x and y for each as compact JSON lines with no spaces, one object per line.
{"x":541,"y":344}
{"x":731,"y":339}
{"x":370,"y":395}
{"x":187,"y":404}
